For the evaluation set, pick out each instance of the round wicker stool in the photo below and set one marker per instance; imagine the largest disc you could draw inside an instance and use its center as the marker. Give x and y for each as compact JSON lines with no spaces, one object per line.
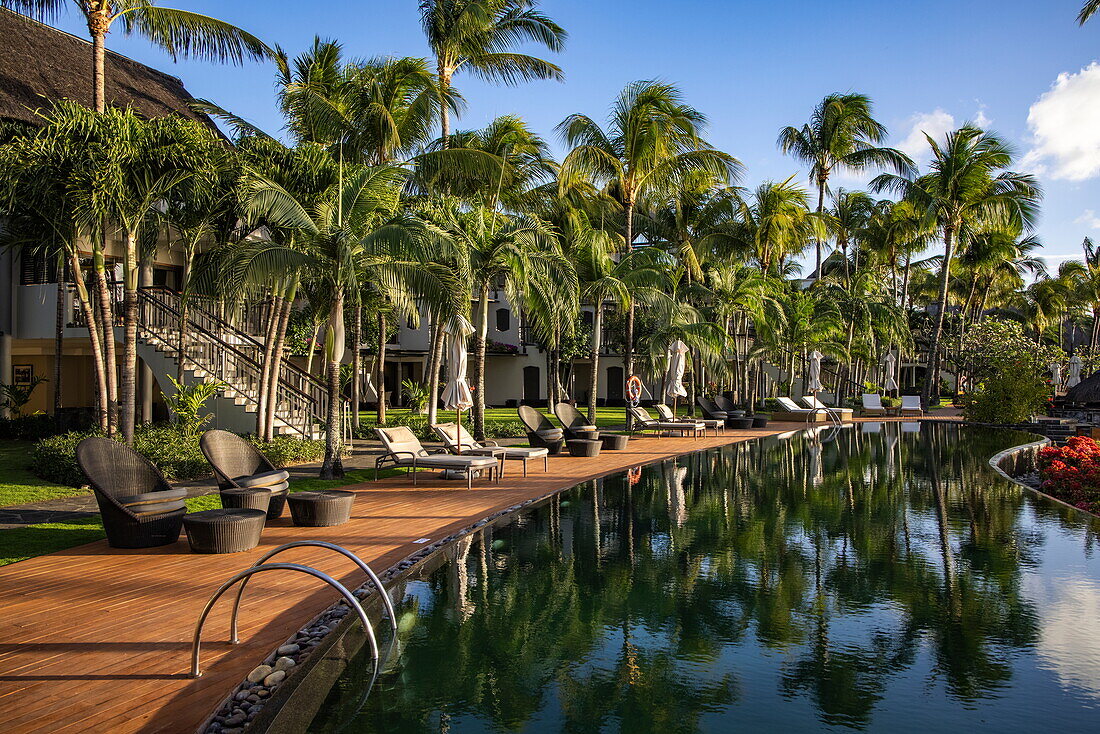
{"x":224,"y":531}
{"x":584,"y":447}
{"x":614,"y":441}
{"x":251,"y":499}
{"x":320,"y":509}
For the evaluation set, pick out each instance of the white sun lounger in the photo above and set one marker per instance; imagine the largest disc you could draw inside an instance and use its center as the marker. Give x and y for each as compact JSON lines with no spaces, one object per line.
{"x":403,"y":449}
{"x":446,"y":432}
{"x":813,"y":403}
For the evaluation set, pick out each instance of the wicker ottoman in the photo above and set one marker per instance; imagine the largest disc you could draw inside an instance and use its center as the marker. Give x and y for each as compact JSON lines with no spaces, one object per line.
{"x":614,"y":442}
{"x":320,"y":509}
{"x":251,"y":499}
{"x":224,"y":531}
{"x":584,"y":447}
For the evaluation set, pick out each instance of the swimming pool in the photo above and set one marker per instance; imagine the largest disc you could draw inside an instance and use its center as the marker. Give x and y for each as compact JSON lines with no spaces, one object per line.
{"x":882,"y":578}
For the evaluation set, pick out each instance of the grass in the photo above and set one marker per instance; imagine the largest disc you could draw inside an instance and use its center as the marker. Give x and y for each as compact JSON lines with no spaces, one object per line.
{"x":18,"y":486}
{"x":604,"y":416}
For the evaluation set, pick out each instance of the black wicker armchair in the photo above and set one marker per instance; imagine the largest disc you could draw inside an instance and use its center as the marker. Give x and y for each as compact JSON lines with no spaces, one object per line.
{"x":240,"y":465}
{"x":575,"y":424}
{"x":139,"y":508}
{"x":541,"y":433}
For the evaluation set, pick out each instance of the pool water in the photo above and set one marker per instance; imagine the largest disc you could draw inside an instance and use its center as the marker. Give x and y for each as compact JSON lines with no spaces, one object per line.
{"x":879,"y":578}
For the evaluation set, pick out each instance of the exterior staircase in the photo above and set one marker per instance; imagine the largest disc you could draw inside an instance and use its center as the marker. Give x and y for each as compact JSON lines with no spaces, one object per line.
{"x":216,"y":350}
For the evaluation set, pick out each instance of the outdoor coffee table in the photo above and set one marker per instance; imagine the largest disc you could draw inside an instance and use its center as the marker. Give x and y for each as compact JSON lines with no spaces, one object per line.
{"x":224,"y":531}
{"x":584,"y":447}
{"x":613,"y":441}
{"x":320,"y":509}
{"x":500,"y":453}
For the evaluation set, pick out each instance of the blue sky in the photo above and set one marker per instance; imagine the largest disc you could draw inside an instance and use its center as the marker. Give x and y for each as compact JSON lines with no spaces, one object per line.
{"x":1021,"y":67}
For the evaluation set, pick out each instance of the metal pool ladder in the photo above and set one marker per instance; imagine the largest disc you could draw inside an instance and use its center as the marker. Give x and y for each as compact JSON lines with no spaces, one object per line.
{"x":261,"y":565}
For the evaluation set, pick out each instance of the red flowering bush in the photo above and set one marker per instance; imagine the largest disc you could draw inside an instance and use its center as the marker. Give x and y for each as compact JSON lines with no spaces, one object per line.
{"x":1072,"y":472}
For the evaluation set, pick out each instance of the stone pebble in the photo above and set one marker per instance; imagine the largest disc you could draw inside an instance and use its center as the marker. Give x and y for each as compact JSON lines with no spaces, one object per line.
{"x":259,"y":673}
{"x":275,"y":678}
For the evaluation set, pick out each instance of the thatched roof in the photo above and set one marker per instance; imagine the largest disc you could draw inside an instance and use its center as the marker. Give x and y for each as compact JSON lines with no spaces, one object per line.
{"x":1085,"y":391}
{"x":39,"y":64}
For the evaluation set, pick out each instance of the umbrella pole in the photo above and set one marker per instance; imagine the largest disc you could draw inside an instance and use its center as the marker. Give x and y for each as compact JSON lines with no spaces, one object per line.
{"x":458,"y":430}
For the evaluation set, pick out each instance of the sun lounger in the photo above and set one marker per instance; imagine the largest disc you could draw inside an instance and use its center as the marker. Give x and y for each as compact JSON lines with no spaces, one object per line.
{"x":910,"y":405}
{"x":403,"y":449}
{"x":665,"y":413}
{"x":813,"y":403}
{"x":872,"y":405}
{"x":447,"y":433}
{"x":643,"y":421}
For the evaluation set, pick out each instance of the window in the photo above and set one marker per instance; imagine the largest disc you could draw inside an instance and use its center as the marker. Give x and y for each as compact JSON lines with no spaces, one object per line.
{"x":504,"y":319}
{"x":36,"y":269}
{"x":588,"y":318}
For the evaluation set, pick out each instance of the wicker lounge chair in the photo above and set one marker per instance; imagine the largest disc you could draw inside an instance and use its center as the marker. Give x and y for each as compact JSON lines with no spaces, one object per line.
{"x":643,"y":421}
{"x":541,"y":433}
{"x":711,"y":410}
{"x":575,"y":424}
{"x":910,"y":406}
{"x":872,"y":405}
{"x":725,"y":404}
{"x":665,"y":413}
{"x":239,"y":465}
{"x":139,"y":508}
{"x":403,"y":449}
{"x":811,"y":401}
{"x":446,"y":433}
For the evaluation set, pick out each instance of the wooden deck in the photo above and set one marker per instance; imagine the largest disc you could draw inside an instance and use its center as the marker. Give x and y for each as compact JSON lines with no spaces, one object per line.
{"x":98,"y":639}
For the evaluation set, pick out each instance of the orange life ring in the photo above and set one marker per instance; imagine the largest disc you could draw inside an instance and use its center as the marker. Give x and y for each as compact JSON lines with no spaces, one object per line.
{"x":634,"y":390}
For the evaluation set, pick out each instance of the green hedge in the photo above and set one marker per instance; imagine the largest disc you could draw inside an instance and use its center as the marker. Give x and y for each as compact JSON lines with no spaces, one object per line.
{"x":494,"y":427}
{"x":177,"y":455}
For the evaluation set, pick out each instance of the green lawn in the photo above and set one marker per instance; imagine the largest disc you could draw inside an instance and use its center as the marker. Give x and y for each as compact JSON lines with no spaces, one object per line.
{"x":18,"y":486}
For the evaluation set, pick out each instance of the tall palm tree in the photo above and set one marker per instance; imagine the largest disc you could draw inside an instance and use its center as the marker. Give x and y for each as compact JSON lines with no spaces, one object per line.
{"x":774,"y":225}
{"x":968,"y":184}
{"x":841,"y":135}
{"x":479,"y":35}
{"x":1087,"y":11}
{"x":653,"y":140}
{"x":179,"y":32}
{"x":351,"y":231}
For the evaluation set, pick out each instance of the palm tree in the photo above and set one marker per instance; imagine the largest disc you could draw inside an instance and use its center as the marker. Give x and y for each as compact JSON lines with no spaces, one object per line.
{"x":478,"y":35}
{"x":351,"y":231}
{"x":967,"y":185}
{"x":774,"y":226}
{"x":652,"y":141}
{"x":842,"y":135}
{"x":179,"y":32}
{"x":847,"y":221}
{"x":1087,"y":11}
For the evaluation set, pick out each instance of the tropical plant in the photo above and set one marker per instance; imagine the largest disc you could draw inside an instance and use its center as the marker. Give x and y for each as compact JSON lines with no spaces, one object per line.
{"x":13,"y":398}
{"x":841,"y":135}
{"x":188,"y":402}
{"x":416,"y":395}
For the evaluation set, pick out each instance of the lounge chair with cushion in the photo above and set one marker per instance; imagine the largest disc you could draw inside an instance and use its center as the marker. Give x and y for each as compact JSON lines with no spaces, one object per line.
{"x":454,"y":436}
{"x":665,"y":413}
{"x":576,"y":425}
{"x":789,"y":410}
{"x":811,"y":401}
{"x":872,"y":405}
{"x":238,"y":464}
{"x":643,"y":421}
{"x":403,"y":449}
{"x":541,"y":433}
{"x":910,"y":405}
{"x":139,"y":508}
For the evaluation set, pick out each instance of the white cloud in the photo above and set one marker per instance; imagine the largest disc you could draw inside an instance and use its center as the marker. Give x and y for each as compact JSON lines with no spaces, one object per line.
{"x":1065,"y":127}
{"x":981,"y":119}
{"x":935,"y":124}
{"x":1089,"y":219}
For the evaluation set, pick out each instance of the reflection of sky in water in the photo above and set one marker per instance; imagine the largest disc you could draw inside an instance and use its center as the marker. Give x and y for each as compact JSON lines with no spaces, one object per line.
{"x":1067,"y":604}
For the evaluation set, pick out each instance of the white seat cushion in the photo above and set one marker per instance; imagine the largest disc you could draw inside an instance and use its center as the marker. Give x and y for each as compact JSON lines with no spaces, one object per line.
{"x":263,"y":479}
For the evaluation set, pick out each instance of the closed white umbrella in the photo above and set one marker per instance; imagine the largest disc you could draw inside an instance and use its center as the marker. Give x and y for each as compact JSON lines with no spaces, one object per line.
{"x":889,"y":382}
{"x":1074,"y":378}
{"x":674,"y":377}
{"x":456,"y":394}
{"x":1055,"y":375}
{"x":813,"y":384}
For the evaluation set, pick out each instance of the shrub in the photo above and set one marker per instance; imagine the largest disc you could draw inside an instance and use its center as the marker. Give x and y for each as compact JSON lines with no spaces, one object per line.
{"x":28,"y":427}
{"x":416,"y":394}
{"x":1011,"y":393}
{"x":1072,"y":472}
{"x":175,"y":453}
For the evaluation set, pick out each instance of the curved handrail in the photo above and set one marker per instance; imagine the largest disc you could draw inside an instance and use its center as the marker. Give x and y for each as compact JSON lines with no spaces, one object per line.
{"x":832,"y":415}
{"x":248,"y":572}
{"x":316,"y":544}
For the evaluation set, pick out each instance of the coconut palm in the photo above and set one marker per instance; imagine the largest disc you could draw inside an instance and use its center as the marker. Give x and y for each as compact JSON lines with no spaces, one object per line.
{"x":653,"y":140}
{"x":842,"y":135}
{"x":774,"y":225}
{"x":478,"y":36}
{"x":179,"y":32}
{"x":1087,"y":11}
{"x":847,"y":221}
{"x":352,"y":231}
{"x":968,"y":185}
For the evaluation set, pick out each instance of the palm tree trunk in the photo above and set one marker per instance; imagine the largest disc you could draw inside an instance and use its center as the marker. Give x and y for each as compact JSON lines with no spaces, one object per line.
{"x":333,"y":466}
{"x":106,"y":324}
{"x":820,"y":208}
{"x":444,"y":112}
{"x":380,"y":371}
{"x":594,"y":368}
{"x":277,"y":360}
{"x":59,"y":339}
{"x":94,"y":337}
{"x":185,"y":283}
{"x":931,"y":377}
{"x":128,"y":387}
{"x":479,"y":362}
{"x":313,"y":345}
{"x":434,"y":365}
{"x":265,"y":362}
{"x":356,"y":364}
{"x":628,"y":340}
{"x":98,"y":25}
